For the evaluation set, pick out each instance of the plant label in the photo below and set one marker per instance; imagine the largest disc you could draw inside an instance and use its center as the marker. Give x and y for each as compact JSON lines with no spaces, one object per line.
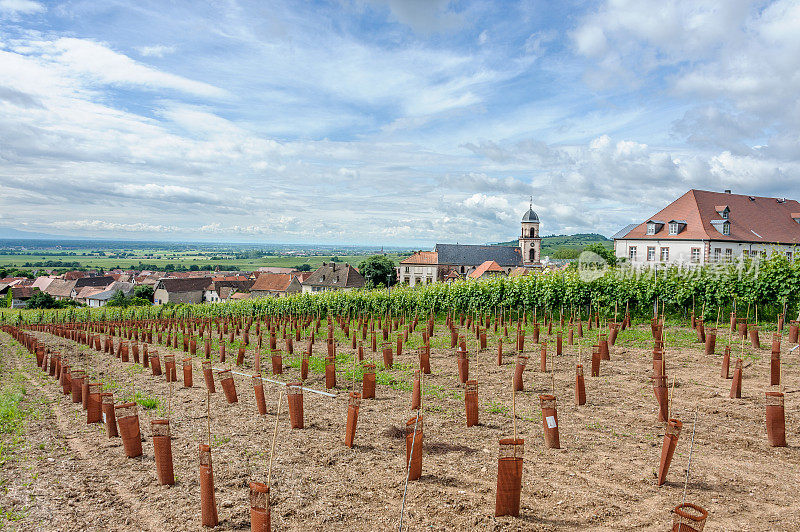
{"x":551,"y":422}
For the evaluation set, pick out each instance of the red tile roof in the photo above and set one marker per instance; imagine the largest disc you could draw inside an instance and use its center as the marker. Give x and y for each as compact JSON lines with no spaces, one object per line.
{"x":422,"y":257}
{"x":272,"y":282}
{"x":752,"y":219}
{"x":489,"y":266}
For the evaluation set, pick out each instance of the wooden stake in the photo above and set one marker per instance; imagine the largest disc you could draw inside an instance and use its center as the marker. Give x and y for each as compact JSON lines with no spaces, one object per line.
{"x":514,"y":408}
{"x":274,"y":437}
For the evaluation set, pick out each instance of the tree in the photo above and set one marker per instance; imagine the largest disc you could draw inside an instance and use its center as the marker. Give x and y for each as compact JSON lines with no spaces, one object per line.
{"x":303,"y":267}
{"x":41,"y":299}
{"x":378,"y":271}
{"x":144,"y":291}
{"x":603,"y":251}
{"x":334,"y":259}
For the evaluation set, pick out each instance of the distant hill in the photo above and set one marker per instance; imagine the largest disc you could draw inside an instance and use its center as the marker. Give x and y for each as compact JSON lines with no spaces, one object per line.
{"x":563,"y":246}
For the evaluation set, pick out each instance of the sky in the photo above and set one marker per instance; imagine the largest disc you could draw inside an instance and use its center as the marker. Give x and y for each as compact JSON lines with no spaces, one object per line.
{"x":387,"y":122}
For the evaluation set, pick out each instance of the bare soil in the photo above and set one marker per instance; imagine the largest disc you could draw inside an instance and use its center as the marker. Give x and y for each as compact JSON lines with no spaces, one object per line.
{"x":72,"y":477}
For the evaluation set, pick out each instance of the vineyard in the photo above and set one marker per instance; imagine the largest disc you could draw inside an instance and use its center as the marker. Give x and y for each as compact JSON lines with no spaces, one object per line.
{"x":770,"y":284}
{"x":550,"y":402}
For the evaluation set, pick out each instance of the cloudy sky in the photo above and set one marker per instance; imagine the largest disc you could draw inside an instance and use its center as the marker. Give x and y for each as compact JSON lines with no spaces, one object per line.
{"x":395,"y":122}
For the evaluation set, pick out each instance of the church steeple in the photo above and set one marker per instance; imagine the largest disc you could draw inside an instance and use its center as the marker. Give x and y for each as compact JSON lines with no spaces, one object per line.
{"x":529,"y":241}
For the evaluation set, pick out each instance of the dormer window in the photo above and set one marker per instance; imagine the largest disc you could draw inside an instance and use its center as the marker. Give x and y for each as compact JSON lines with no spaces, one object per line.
{"x":796,"y":217}
{"x":654,"y":226}
{"x":723,"y":211}
{"x":723,"y":226}
{"x":676,"y":226}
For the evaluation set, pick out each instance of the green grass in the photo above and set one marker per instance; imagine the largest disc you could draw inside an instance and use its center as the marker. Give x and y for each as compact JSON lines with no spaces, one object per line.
{"x":145,"y":401}
{"x":161,"y":258}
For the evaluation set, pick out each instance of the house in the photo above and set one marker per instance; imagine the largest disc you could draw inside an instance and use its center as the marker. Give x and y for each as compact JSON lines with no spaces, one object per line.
{"x":448,"y":260}
{"x":704,"y":227}
{"x":182,"y":290}
{"x":81,"y":294}
{"x":60,"y":289}
{"x":333,"y":276}
{"x":42,"y":282}
{"x":487,"y":269}
{"x":222,"y":288}
{"x":99,"y":299}
{"x":20,"y":295}
{"x":276,"y":285}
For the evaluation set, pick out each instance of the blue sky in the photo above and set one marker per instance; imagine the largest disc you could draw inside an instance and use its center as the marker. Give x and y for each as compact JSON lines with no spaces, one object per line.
{"x":386,"y":121}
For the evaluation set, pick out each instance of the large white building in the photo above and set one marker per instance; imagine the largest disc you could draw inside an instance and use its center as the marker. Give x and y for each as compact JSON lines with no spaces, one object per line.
{"x":704,"y":227}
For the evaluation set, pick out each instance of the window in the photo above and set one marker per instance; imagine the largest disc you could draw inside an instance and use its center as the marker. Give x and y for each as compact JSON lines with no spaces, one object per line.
{"x":651,"y":253}
{"x":789,"y":255}
{"x":728,"y":254}
{"x":724,"y":214}
{"x":651,"y":229}
{"x":674,"y":228}
{"x":664,"y":254}
{"x":632,"y":253}
{"x":532,"y":255}
{"x":717,"y":253}
{"x":726,"y":228}
{"x":695,"y":257}
{"x":406,"y":269}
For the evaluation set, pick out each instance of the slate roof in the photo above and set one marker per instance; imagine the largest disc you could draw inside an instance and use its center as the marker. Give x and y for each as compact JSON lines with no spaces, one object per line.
{"x":336,"y":275}
{"x":752,"y":219}
{"x":624,"y":231}
{"x":60,"y":287}
{"x":461,"y":254}
{"x":241,"y":283}
{"x":530,"y":216}
{"x":187,"y":284}
{"x":101,"y":281}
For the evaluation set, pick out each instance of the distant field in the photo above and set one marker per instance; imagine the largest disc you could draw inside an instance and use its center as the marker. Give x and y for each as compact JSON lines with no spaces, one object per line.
{"x":134,"y":259}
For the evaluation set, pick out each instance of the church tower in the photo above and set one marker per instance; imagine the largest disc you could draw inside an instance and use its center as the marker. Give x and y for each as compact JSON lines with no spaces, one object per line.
{"x":529,"y":241}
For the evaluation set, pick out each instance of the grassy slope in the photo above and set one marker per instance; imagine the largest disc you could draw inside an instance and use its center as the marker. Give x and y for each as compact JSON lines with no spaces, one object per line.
{"x":551,"y":243}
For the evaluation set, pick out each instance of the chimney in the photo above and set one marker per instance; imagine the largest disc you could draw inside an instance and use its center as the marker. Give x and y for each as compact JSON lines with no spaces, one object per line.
{"x":727,"y":191}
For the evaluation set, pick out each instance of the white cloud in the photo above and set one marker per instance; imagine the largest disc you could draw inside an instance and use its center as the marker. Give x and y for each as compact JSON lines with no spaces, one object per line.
{"x":103,"y":226}
{"x":158,"y":50}
{"x":96,"y":63}
{"x":14,"y":8}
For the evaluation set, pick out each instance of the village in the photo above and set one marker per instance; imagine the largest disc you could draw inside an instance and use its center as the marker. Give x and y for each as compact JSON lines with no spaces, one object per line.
{"x":698,"y":228}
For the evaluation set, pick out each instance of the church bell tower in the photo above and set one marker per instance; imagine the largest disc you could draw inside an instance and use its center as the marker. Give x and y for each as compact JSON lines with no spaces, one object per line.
{"x":529,"y":241}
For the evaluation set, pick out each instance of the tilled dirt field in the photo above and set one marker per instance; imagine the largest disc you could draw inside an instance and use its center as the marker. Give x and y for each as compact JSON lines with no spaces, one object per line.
{"x":73,"y":477}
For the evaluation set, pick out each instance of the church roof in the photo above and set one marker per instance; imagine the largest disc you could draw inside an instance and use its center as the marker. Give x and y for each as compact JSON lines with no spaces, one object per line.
{"x":461,"y":254}
{"x":530,"y":216}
